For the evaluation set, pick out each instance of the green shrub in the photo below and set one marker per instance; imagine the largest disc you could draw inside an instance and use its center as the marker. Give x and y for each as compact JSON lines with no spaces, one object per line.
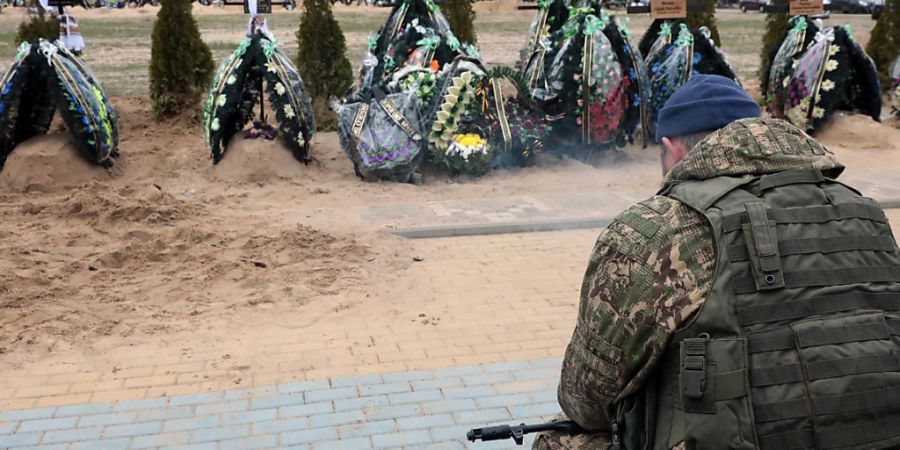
{"x":705,"y":18}
{"x":461,"y":16}
{"x":884,"y":42}
{"x":181,"y":64}
{"x":38,"y":27}
{"x":776,"y":27}
{"x":321,"y":59}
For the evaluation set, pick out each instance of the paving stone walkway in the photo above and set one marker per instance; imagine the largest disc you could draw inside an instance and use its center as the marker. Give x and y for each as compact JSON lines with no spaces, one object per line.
{"x":413,"y":410}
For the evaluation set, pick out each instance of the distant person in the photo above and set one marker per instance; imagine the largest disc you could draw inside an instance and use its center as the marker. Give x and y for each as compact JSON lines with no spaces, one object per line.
{"x":754,"y":302}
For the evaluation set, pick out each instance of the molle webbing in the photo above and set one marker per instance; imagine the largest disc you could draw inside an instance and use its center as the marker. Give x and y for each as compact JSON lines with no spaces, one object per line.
{"x":812,"y":278}
{"x":820,"y":370}
{"x":848,"y":436}
{"x":738,"y":253}
{"x":881,"y":400}
{"x":785,"y":338}
{"x":811,"y":214}
{"x":825,"y":304}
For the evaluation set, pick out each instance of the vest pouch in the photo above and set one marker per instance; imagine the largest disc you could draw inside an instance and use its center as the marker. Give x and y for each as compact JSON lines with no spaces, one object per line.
{"x":713,"y":385}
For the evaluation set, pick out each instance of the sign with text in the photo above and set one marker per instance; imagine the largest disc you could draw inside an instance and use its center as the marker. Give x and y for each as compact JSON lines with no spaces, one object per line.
{"x":807,"y":7}
{"x":262,"y":6}
{"x":669,"y":9}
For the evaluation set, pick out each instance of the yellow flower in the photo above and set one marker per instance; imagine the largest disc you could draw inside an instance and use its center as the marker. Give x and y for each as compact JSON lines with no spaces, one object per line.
{"x":470,"y":140}
{"x":827,"y":85}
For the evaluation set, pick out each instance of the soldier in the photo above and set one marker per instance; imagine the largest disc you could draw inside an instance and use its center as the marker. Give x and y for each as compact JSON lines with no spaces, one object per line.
{"x":752,"y":303}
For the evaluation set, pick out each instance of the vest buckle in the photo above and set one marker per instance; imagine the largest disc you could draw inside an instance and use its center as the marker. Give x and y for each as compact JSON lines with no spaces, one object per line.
{"x":693,"y":368}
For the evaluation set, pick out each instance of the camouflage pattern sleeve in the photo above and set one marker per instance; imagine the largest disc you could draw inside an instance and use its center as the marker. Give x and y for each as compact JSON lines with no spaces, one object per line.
{"x":649,"y":271}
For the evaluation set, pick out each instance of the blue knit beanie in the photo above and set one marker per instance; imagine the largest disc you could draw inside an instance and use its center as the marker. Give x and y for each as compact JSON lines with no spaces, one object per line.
{"x":704,"y":103}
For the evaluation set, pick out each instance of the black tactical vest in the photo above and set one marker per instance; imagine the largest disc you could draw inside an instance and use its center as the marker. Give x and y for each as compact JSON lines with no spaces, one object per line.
{"x":798,"y":344}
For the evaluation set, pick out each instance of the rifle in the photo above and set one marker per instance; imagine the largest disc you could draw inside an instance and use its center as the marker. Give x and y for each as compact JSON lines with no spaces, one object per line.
{"x":516,"y":432}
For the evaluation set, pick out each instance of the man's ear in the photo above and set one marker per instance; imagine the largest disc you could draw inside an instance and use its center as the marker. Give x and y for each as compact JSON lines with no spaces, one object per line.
{"x":677,"y":149}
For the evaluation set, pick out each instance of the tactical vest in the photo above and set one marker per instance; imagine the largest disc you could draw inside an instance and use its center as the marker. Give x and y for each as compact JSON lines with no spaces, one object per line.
{"x":798,"y":344}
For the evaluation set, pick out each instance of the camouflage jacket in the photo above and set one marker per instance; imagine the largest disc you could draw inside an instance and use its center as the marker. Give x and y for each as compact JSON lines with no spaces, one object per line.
{"x":654,"y":265}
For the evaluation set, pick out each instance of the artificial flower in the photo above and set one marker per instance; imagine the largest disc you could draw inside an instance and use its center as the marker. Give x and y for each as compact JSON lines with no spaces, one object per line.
{"x":827,"y":85}
{"x":231,"y":79}
{"x":288,"y":111}
{"x":215,"y":124}
{"x":831,"y":65}
{"x":279,"y":88}
{"x":271,"y":67}
{"x":221,"y":100}
{"x":818,"y":113}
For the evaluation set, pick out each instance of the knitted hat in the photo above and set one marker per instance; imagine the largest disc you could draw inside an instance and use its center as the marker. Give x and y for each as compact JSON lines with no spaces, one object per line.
{"x":706,"y":102}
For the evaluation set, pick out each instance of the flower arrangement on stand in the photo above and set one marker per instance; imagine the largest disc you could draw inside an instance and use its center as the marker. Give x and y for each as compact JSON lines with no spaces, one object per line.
{"x":470,"y":154}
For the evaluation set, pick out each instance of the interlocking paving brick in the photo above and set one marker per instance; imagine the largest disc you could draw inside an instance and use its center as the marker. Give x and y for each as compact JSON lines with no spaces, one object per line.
{"x":28,"y":414}
{"x":513,"y":366}
{"x":308,"y":409}
{"x":276,"y":401}
{"x":250,"y":443}
{"x":44,"y":447}
{"x":277,"y":426}
{"x":469,"y":392}
{"x":18,"y":440}
{"x":380,"y":389}
{"x":191,"y":423}
{"x":416,"y":423}
{"x":541,"y":409}
{"x":135,"y":429}
{"x":355,"y":381}
{"x":72,"y":435}
{"x":177,"y":412}
{"x":457,"y":371}
{"x":161,"y":440}
{"x":105,"y":444}
{"x":47,"y":424}
{"x":481,"y":416}
{"x":308,"y":436}
{"x":206,"y":446}
{"x":447,"y":445}
{"x":327,"y":420}
{"x":223,"y":407}
{"x":8,"y":427}
{"x":412,"y":375}
{"x":219,"y":433}
{"x":437,"y":383}
{"x":415,"y":397}
{"x":366,"y":429}
{"x":487,"y":378}
{"x":144,"y":403}
{"x":303,"y":386}
{"x":195,"y":399}
{"x":446,"y":406}
{"x":401,"y":439}
{"x":83,"y":409}
{"x":348,"y":404}
{"x":394,"y":412}
{"x":106,"y":419}
{"x":260,"y":415}
{"x":359,"y":443}
{"x":330,"y":394}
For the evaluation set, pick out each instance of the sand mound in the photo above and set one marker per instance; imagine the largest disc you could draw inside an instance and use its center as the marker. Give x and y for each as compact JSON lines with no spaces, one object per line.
{"x":257,"y":161}
{"x":48,"y":163}
{"x":858,"y":132}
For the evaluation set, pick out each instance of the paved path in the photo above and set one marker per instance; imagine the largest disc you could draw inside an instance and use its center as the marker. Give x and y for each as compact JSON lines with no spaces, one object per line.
{"x":413,"y":409}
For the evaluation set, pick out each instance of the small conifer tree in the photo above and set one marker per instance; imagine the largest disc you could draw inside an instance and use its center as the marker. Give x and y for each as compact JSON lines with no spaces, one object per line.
{"x":39,"y":26}
{"x":776,"y":27}
{"x":181,"y":64}
{"x":322,"y":59}
{"x":884,"y":42}
{"x":705,"y":18}
{"x":461,"y":17}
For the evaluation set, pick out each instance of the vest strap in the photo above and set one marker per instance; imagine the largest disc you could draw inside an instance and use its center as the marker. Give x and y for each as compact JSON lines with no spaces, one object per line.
{"x":811,"y":214}
{"x":738,"y":253}
{"x":785,"y":338}
{"x":827,"y":304}
{"x":762,"y":246}
{"x":785,"y":178}
{"x":882,"y":400}
{"x":793,"y":373}
{"x":809,"y":278}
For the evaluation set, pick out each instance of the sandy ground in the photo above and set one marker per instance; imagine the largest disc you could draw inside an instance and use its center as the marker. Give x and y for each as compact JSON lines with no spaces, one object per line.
{"x":166,"y":248}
